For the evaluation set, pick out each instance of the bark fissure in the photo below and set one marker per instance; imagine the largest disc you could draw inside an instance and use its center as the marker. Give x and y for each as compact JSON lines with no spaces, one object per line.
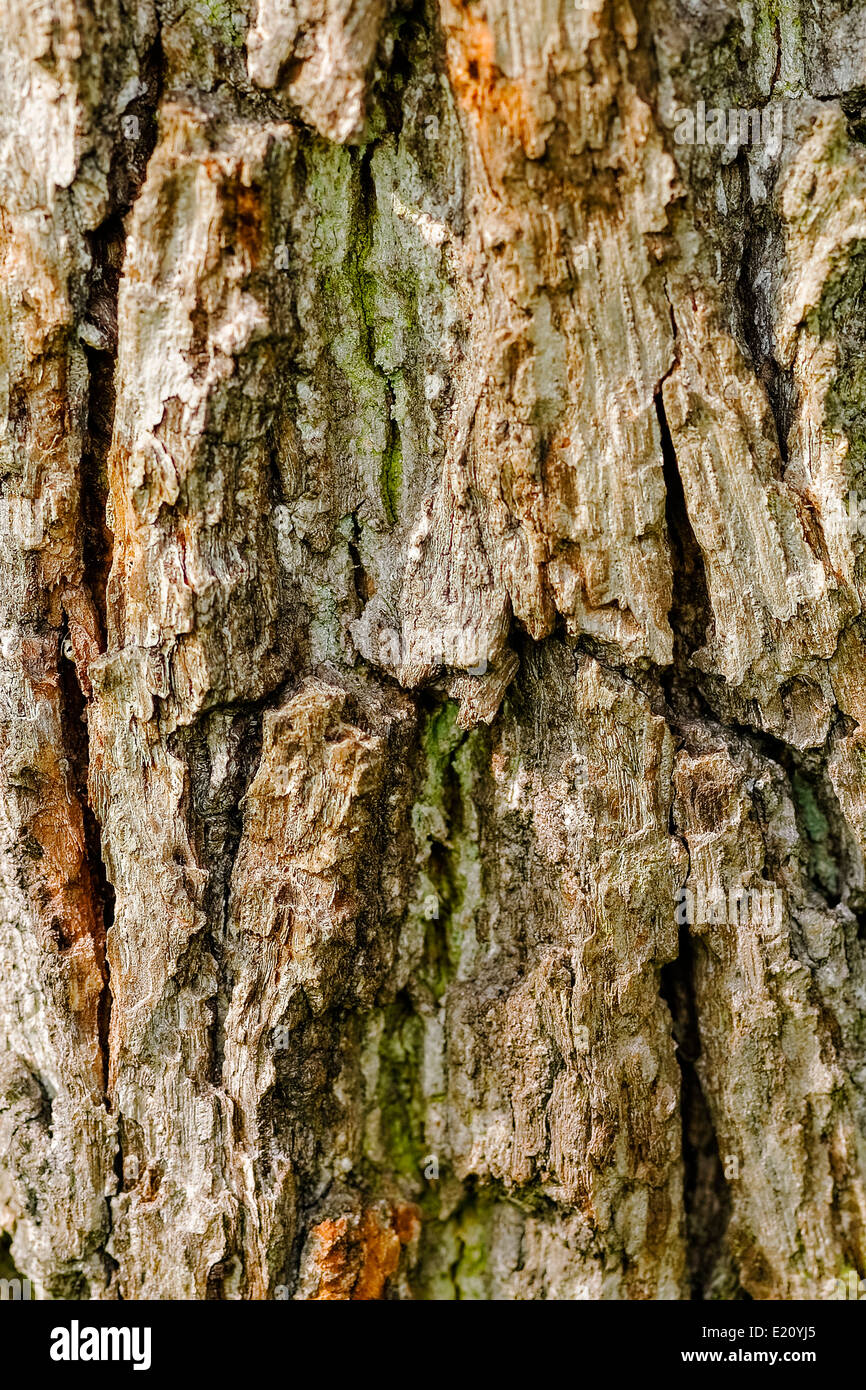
{"x":705,"y":1201}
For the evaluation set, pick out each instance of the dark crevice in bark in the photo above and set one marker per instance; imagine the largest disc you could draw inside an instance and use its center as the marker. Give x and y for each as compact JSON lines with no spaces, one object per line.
{"x":8,"y":1268}
{"x":777,"y":34}
{"x":107,"y":244}
{"x":404,"y":27}
{"x":753,"y":311}
{"x":706,"y":1198}
{"x":853,"y":104}
{"x":360,"y":581}
{"x":217,"y":825}
{"x":138,"y":127}
{"x":690,"y":615}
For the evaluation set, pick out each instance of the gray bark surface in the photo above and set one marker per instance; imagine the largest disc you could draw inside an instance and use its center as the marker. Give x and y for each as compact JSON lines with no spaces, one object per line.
{"x":432,"y":696}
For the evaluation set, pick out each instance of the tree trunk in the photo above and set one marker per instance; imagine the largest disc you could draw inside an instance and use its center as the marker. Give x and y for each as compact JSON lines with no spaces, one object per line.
{"x":433,"y":754}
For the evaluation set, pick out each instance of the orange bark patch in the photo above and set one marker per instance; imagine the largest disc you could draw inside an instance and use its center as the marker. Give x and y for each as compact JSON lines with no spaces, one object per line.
{"x":500,"y":103}
{"x":355,"y":1256}
{"x":243,"y":220}
{"x":43,"y":800}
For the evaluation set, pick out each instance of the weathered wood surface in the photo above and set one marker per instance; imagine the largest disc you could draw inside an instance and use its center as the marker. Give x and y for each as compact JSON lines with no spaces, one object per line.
{"x":433,"y":728}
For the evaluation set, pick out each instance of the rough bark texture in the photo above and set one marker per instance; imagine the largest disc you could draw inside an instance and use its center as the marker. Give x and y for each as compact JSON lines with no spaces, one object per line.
{"x":428,"y":571}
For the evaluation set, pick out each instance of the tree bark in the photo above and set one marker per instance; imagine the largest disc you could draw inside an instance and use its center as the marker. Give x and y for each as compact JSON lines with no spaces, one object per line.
{"x":433,"y":754}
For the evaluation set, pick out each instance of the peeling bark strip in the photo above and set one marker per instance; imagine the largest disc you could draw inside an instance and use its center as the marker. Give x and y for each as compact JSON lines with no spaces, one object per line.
{"x":432,"y":710}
